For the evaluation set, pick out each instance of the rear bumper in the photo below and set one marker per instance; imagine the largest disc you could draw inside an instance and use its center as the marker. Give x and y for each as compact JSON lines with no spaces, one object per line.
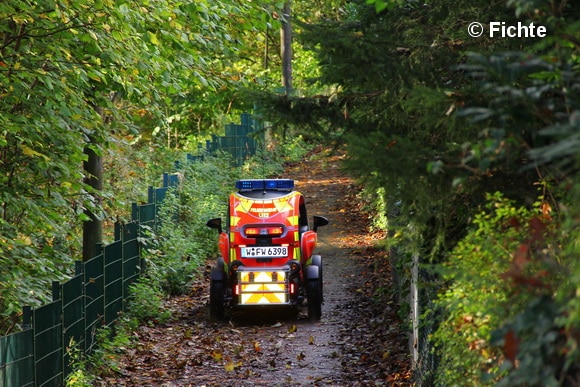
{"x":265,"y":286}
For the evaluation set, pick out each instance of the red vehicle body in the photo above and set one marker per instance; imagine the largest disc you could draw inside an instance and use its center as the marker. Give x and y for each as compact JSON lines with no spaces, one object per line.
{"x":266,"y":250}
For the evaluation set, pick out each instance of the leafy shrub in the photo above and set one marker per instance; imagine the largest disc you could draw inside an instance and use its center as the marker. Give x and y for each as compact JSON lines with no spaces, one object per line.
{"x":130,"y":170}
{"x":505,"y":263}
{"x":293,"y":149}
{"x":533,"y":344}
{"x":104,"y":360}
{"x":283,"y":149}
{"x":146,"y":302}
{"x":182,"y":242}
{"x":540,"y":344}
{"x":78,"y":362}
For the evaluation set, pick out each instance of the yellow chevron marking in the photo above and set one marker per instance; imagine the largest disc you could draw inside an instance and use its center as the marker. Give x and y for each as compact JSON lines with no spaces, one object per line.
{"x":263,"y":298}
{"x":282,"y":205}
{"x":244,"y":205}
{"x":293,"y":220}
{"x":262,"y":289}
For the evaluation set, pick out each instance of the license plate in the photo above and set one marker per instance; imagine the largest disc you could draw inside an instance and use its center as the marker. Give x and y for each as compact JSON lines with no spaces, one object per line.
{"x":264,"y":252}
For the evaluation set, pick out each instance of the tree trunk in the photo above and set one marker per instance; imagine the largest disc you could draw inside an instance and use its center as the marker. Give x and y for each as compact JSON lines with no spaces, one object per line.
{"x":93,"y":228}
{"x":266,"y":63}
{"x":286,"y":47}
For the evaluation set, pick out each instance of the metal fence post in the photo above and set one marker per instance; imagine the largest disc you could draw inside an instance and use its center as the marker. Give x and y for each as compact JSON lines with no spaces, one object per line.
{"x":26,"y":317}
{"x":415,"y":309}
{"x":56,"y":290}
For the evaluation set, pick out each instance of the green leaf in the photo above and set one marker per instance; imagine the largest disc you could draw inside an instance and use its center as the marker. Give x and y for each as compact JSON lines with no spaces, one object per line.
{"x":153,"y":38}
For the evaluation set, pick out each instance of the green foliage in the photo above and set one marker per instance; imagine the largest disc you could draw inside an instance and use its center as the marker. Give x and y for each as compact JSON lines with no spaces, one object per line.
{"x":391,"y":96}
{"x":263,"y":163}
{"x":130,"y":169}
{"x":31,"y":262}
{"x":537,"y":338}
{"x":376,"y":203}
{"x":217,"y":47}
{"x":434,"y":121}
{"x":270,"y":161}
{"x":182,"y":242}
{"x":498,"y":274}
{"x":569,"y":291}
{"x":78,"y":362}
{"x":381,"y":5}
{"x":102,"y":361}
{"x":123,"y":73}
{"x":146,"y":303}
{"x":525,"y":110}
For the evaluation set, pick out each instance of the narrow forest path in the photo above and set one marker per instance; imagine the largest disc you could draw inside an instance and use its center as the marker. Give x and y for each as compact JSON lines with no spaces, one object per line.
{"x":359,"y":341}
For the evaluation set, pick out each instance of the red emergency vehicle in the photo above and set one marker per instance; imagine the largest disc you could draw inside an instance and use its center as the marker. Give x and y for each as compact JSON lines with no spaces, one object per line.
{"x":266,"y":247}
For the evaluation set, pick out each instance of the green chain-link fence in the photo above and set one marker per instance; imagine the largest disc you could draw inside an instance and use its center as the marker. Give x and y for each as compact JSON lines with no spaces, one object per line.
{"x":240,"y":140}
{"x":88,"y":301}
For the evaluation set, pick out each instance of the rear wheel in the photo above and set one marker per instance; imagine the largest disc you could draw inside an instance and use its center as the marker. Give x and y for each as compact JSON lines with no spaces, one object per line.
{"x":314,"y":294}
{"x":317,"y":260}
{"x":216,"y":299}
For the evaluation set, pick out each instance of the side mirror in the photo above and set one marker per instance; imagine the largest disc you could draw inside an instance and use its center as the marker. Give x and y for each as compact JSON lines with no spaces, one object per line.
{"x":215,"y":223}
{"x":319,"y":221}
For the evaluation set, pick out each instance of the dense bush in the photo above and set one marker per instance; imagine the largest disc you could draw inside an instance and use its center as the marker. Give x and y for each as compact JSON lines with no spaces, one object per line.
{"x":181,"y":243}
{"x":499,"y":312}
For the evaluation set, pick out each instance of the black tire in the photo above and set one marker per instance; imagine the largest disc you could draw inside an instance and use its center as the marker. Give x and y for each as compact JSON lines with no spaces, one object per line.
{"x":317,"y":260}
{"x":313,"y":292}
{"x":220,"y":264}
{"x":216,"y":299}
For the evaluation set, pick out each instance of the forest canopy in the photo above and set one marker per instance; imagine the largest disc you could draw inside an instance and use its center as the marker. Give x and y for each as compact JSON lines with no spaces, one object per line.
{"x":128,"y":82}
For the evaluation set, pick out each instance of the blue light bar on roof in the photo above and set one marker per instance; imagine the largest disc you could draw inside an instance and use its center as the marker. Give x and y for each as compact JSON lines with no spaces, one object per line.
{"x":267,"y":184}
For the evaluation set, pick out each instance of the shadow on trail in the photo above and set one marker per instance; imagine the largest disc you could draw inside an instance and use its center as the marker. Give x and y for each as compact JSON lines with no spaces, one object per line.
{"x":262,"y":316}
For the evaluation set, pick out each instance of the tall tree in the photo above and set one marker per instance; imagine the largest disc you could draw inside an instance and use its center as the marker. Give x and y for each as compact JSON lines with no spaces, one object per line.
{"x":93,"y":225}
{"x":286,"y":46}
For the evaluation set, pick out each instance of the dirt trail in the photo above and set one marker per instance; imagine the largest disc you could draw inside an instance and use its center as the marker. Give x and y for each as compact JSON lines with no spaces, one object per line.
{"x":358,"y":341}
